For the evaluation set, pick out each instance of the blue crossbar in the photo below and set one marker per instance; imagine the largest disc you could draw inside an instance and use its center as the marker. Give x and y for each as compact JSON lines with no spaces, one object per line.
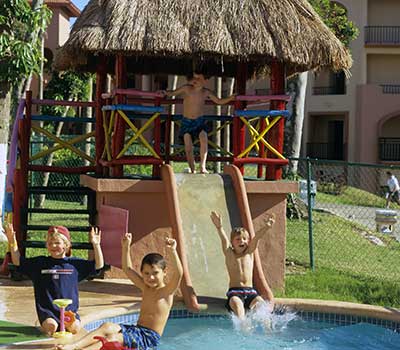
{"x":53,"y":118}
{"x":177,"y":117}
{"x":133,"y":108}
{"x":262,"y":113}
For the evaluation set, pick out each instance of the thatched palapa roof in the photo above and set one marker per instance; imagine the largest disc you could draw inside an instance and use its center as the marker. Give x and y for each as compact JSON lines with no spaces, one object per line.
{"x":166,"y":35}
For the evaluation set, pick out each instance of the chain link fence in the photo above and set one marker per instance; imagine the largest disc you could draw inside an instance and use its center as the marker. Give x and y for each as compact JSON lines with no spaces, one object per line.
{"x":342,"y":223}
{"x":332,"y":226}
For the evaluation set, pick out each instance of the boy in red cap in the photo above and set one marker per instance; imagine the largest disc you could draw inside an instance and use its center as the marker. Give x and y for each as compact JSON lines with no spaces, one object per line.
{"x":56,"y":276}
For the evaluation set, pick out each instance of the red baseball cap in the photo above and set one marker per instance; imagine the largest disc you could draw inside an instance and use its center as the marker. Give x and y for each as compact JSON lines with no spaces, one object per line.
{"x":62,"y":230}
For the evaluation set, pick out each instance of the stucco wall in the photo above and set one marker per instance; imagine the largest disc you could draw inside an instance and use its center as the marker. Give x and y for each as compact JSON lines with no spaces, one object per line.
{"x":383,"y":69}
{"x":383,"y":12}
{"x":148,"y":217}
{"x":372,"y":107}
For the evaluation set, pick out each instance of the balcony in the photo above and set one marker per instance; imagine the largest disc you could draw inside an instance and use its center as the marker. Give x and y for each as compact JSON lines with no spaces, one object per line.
{"x":382,"y":35}
{"x":328,"y":90}
{"x":326,"y":150}
{"x":390,"y":89}
{"x":389,"y":148}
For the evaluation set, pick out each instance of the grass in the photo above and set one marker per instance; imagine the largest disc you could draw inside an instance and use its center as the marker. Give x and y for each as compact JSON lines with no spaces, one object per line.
{"x":13,"y":332}
{"x":327,"y":284}
{"x":70,"y":220}
{"x":354,"y":196}
{"x":348,"y":266}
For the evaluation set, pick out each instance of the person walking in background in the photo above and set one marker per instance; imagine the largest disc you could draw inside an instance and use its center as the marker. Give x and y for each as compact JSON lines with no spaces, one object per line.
{"x":394,"y":189}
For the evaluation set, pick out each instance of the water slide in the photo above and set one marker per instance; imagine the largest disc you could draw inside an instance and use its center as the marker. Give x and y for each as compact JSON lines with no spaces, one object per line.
{"x":191,"y":198}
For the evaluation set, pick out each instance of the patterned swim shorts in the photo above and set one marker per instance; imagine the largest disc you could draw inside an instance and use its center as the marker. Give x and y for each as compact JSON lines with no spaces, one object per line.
{"x":193,"y":127}
{"x":139,"y":337}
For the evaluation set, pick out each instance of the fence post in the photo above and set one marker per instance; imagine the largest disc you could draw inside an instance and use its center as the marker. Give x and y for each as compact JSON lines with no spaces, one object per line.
{"x":310,"y":223}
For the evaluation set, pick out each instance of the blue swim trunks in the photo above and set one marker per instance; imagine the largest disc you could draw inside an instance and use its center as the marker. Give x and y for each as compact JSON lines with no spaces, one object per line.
{"x":193,"y":127}
{"x":139,"y":337}
{"x":245,"y":294}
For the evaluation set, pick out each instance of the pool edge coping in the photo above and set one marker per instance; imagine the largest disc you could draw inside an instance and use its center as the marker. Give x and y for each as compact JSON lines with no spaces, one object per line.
{"x":307,"y":305}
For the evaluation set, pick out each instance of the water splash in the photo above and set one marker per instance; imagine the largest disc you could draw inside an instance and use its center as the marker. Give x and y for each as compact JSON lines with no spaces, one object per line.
{"x":261,"y":318}
{"x":200,"y":251}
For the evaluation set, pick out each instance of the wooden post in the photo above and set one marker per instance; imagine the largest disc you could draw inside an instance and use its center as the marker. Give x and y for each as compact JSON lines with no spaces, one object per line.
{"x":275,"y":135}
{"x":261,"y":149}
{"x":101,"y":81}
{"x":238,"y":125}
{"x":22,"y":193}
{"x":157,"y":138}
{"x":119,"y":131}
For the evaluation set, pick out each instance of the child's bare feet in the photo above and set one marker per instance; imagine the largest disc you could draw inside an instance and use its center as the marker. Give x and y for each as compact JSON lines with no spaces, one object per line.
{"x":189,"y":171}
{"x":204,"y":171}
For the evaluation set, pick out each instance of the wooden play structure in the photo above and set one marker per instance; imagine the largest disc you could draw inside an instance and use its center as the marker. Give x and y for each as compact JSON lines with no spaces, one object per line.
{"x":125,"y":116}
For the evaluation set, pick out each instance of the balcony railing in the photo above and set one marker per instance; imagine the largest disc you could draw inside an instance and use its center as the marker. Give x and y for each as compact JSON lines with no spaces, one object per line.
{"x":328,"y":90}
{"x":390,"y":89}
{"x":389,"y":148}
{"x":385,"y":35}
{"x":326,"y":150}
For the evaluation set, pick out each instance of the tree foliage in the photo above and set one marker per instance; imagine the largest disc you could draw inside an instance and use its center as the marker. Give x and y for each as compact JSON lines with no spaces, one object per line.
{"x":20,"y":42}
{"x":335,"y":17}
{"x":67,"y":85}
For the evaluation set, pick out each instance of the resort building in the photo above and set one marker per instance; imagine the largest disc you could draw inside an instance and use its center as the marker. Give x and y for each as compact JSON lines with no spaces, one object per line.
{"x":56,"y":35}
{"x":358,"y":119}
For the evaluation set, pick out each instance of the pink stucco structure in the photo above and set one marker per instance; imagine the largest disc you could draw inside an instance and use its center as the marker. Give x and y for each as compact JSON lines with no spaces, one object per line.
{"x":375,"y":110}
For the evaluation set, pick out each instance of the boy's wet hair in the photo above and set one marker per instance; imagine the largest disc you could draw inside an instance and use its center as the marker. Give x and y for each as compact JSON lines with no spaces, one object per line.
{"x":236,"y":231}
{"x":154,"y":259}
{"x":191,"y":74}
{"x":389,"y":173}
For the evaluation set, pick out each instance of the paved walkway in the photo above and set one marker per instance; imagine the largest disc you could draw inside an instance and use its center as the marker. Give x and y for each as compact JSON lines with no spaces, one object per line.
{"x":364,"y":216}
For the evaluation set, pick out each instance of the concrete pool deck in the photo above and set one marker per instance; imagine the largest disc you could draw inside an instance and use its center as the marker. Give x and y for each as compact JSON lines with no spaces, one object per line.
{"x":110,"y":297}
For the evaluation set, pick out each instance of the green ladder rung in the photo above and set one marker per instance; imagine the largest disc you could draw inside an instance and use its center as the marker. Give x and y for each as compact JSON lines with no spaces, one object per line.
{"x":42,"y":244}
{"x":61,"y":190}
{"x":46,"y":227}
{"x":58,"y":211}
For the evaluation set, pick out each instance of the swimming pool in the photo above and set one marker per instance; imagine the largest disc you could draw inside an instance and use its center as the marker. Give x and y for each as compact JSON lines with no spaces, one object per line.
{"x":308,"y":330}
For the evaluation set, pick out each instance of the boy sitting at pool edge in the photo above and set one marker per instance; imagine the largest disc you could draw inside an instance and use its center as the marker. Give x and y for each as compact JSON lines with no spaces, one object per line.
{"x":239,"y":260}
{"x":56,"y":276}
{"x":193,"y":124}
{"x":157,"y":299}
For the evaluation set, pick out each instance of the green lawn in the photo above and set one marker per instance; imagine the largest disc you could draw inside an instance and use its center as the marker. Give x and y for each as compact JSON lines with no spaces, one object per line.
{"x":326,"y":284}
{"x":348,"y":266}
{"x":56,"y":219}
{"x":13,"y":332}
{"x":354,"y":196}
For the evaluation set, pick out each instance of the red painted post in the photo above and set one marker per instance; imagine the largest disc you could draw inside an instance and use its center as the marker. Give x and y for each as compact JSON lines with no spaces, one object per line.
{"x":119,"y":132}
{"x":157,"y":139}
{"x":238,"y":125}
{"x":275,"y":135}
{"x":261,"y":150}
{"x":101,"y":80}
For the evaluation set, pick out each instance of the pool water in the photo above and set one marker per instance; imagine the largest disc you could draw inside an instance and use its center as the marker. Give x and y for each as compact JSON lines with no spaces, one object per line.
{"x":221,"y":333}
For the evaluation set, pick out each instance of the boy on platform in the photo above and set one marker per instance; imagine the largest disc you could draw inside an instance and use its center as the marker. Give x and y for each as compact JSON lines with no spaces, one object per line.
{"x":193,"y":124}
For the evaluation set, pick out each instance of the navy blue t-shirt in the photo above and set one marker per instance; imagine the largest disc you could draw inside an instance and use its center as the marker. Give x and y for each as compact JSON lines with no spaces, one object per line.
{"x":55,"y":279}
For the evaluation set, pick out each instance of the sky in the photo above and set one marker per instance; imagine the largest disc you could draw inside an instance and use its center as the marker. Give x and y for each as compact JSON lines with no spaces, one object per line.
{"x":80,"y":3}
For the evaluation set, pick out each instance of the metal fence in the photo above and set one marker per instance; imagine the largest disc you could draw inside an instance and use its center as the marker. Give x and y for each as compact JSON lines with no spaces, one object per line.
{"x":333,"y":227}
{"x":337,"y":229}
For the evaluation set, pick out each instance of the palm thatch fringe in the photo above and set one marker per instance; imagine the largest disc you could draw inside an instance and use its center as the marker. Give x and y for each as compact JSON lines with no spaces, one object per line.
{"x":166,"y":35}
